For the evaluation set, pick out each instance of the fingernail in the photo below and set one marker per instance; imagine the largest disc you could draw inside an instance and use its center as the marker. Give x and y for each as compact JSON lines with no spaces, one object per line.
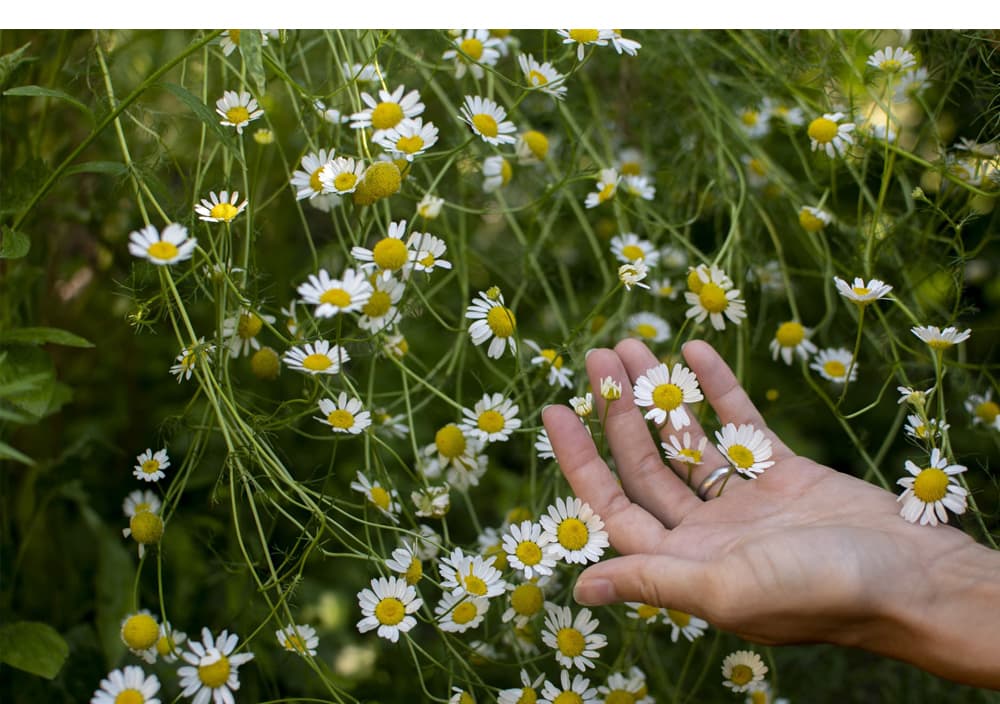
{"x":547,"y":406}
{"x":594,"y":592}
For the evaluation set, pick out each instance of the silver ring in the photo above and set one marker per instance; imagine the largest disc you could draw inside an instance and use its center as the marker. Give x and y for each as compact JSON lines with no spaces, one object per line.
{"x":708,"y":482}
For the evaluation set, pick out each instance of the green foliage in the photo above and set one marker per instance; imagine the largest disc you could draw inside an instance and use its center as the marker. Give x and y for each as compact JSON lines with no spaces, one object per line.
{"x":33,"y":647}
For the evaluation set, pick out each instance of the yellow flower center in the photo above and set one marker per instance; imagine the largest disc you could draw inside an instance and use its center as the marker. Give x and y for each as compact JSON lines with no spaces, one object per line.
{"x":606,"y":193}
{"x":528,"y":696}
{"x":571,"y":642}
{"x":631,"y":168}
{"x":380,"y":497}
{"x":891,"y":65}
{"x":667,"y":396}
{"x":741,"y":456}
{"x":473,"y":584}
{"x":496,"y":551}
{"x":750,"y":117}
{"x":130,"y":696}
{"x":713,"y":298}
{"x":790,"y":334}
{"x":140,"y":632}
{"x":647,"y":611}
{"x":554,"y":359}
{"x":427,"y":260}
{"x":501,"y":321}
{"x":386,"y":115}
{"x":809,"y":222}
{"x":224,"y":211}
{"x":316,"y":362}
{"x":150,"y":466}
{"x":414,"y":572}
{"x":528,"y":553}
{"x":584,"y":36}
{"x":339,"y":418}
{"x":146,"y":527}
{"x":758,"y":697}
{"x":390,"y":253}
{"x":527,"y":599}
{"x":165,"y":646}
{"x":822,"y":130}
{"x":491,"y":421}
{"x":741,"y":675}
{"x":694,"y":282}
{"x":633,"y":252}
{"x":473,"y":47}
{"x":466,"y":698}
{"x":619,"y":696}
{"x":237,"y":115}
{"x":382,"y":179}
{"x":939,"y":343}
{"x":485,"y":124}
{"x":537,"y":143}
{"x":464,"y":612}
{"x":645,"y":331}
{"x":692,"y":456}
{"x":834,"y":368}
{"x":572,"y":534}
{"x":336,"y":297}
{"x":861,"y":290}
{"x":249,"y":325}
{"x":568,"y":697}
{"x":345,"y":181}
{"x":265,"y":363}
{"x":931,"y":485}
{"x":506,"y":172}
{"x":314,"y":182}
{"x":450,"y":441}
{"x":411,"y":144}
{"x":390,"y":611}
{"x":378,"y":305}
{"x":294,"y":643}
{"x":987,"y":411}
{"x":234,"y":36}
{"x":162,"y":250}
{"x":679,"y":617}
{"x":757,"y":167}
{"x":536,"y":78}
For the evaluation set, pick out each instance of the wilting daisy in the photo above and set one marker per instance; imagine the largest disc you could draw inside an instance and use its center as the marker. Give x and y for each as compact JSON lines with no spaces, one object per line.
{"x":583,"y":406}
{"x":584,"y":38}
{"x":927,"y":431}
{"x":633,"y":274}
{"x":387,"y":606}
{"x":833,"y":364}
{"x":577,"y":533}
{"x":457,"y":613}
{"x":344,"y":415}
{"x":931,"y":490}
{"x":426,"y":251}
{"x":527,"y":600}
{"x":470,"y":574}
{"x":306,"y":182}
{"x":681,"y":450}
{"x":741,"y":669}
{"x":406,"y":561}
{"x":488,"y":120}
{"x":492,"y":419}
{"x":299,"y":639}
{"x":409,"y":139}
{"x":681,"y":623}
{"x":528,"y":551}
{"x":549,"y":358}
{"x":639,"y":186}
{"x":607,"y":186}
{"x":429,"y":206}
{"x":611,"y":390}
{"x":129,"y":685}
{"x":380,"y":312}
{"x":140,"y":500}
{"x":892,"y":60}
{"x":473,"y":50}
{"x":318,"y":357}
{"x":240,"y":331}
{"x":628,"y":247}
{"x":791,"y":339}
{"x":169,"y":247}
{"x":378,"y":496}
{"x":665,"y":391}
{"x":746,"y":448}
{"x":145,"y":527}
{"x":220,"y":207}
{"x":497,"y":173}
{"x":573,"y":638}
{"x":237,"y":109}
{"x":830,"y":135}
{"x":542,"y":76}
{"x":938,"y":339}
{"x":623,"y":45}
{"x":493,"y":321}
{"x":528,"y":692}
{"x":388,"y":111}
{"x":451,"y":449}
{"x":648,"y":327}
{"x":149,"y":466}
{"x":185,"y":362}
{"x":984,"y":409}
{"x":342,"y":175}
{"x":139,"y":632}
{"x":332,"y":296}
{"x":213,"y":668}
{"x":814,"y":219}
{"x":431,"y":501}
{"x":915,"y":397}
{"x":712,"y":296}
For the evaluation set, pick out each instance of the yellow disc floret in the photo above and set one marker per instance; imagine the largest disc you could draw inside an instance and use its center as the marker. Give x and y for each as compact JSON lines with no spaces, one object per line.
{"x":216,"y":674}
{"x":931,"y":485}
{"x":572,"y":534}
{"x":140,"y":631}
{"x":667,"y":396}
{"x":571,"y":642}
{"x":336,"y":297}
{"x":390,"y":611}
{"x":822,"y":130}
{"x":501,"y":321}
{"x":713,"y":298}
{"x":491,"y":421}
{"x":146,"y":527}
{"x":450,"y":441}
{"x":339,"y":418}
{"x":740,"y":456}
{"x":386,"y":115}
{"x":527,"y":599}
{"x":162,"y":250}
{"x":485,"y":124}
{"x":790,"y":334}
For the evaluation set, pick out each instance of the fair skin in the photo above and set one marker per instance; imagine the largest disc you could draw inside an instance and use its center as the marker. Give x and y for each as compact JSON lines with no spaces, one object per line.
{"x":801,"y":554}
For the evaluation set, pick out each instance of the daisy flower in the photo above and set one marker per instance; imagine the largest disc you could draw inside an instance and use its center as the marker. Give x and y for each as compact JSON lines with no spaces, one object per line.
{"x":712,"y":296}
{"x":409,"y":139}
{"x":237,"y":109}
{"x":639,"y":186}
{"x":331,"y":115}
{"x":931,"y":490}
{"x":532,"y":146}
{"x":318,"y":357}
{"x":406,"y":561}
{"x":628,"y":247}
{"x":665,"y":391}
{"x":299,"y":639}
{"x":470,"y":574}
{"x":380,"y":312}
{"x":229,"y":40}
{"x":577,"y":691}
{"x":146,"y":528}
{"x":388,"y":111}
{"x":746,"y":448}
{"x":223,"y":207}
{"x":681,"y":623}
{"x":760,"y":693}
{"x":344,"y":416}
{"x":307,"y":183}
{"x":984,"y":409}
{"x":129,"y":684}
{"x":623,"y":45}
{"x":149,"y":467}
{"x":431,"y":501}
{"x":451,"y":449}
{"x":361,"y":73}
{"x":473,"y":50}
{"x":791,"y":339}
{"x":573,"y":638}
{"x":426,"y":251}
{"x":342,"y":175}
{"x":741,"y":669}
{"x":892,"y":60}
{"x":429,"y":206}
{"x":528,"y":692}
{"x":526,"y":601}
{"x":185,"y":362}
{"x":916,"y":428}
{"x":387,"y":606}
{"x":212,"y":671}
{"x":543,"y":77}
{"x":647,"y":613}
{"x":458,"y":613}
{"x":648,"y":327}
{"x":754,"y":122}
{"x":683,"y":451}
{"x":583,"y":406}
{"x":382,"y":499}
{"x":632,"y":274}
{"x":492,"y":419}
{"x":139,"y":632}
{"x":833,"y":364}
{"x":169,"y":247}
{"x":607,"y":186}
{"x":488,"y":120}
{"x":577,"y":533}
{"x":620,"y":687}
{"x":497,"y":173}
{"x":140,"y":500}
{"x":814,"y":219}
{"x":390,"y":254}
{"x":611,"y":390}
{"x":911,"y":83}
{"x":585,"y":37}
{"x":830,"y":135}
{"x":240,"y":332}
{"x":332,"y":296}
{"x":492,"y":320}
{"x":789,"y":114}
{"x":528,"y":551}
{"x":861,"y":293}
{"x":938,"y":339}
{"x":549,"y":358}
{"x":664,"y":288}
{"x":914,"y":397}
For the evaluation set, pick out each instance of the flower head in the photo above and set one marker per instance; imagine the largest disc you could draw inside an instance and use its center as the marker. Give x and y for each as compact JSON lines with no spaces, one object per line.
{"x":333,"y":296}
{"x":741,"y":669}
{"x":212,"y":670}
{"x":474,"y":49}
{"x":984,"y":409}
{"x":746,"y":448}
{"x":129,"y":684}
{"x":186,"y":362}
{"x":240,"y":331}
{"x":665,"y":391}
{"x":388,"y":111}
{"x":299,"y":639}
{"x":488,"y":120}
{"x":932,"y":491}
{"x":342,"y":175}
{"x":550,"y":359}
{"x":220,"y":207}
{"x":681,"y":450}
{"x":628,"y":247}
{"x":607,"y":186}
{"x":584,"y":38}
{"x":169,"y":247}
{"x":409,"y":139}
{"x":712,"y":296}
{"x":237,"y":109}
{"x":892,"y":60}
{"x":345,"y":415}
{"x":576,"y":533}
{"x":458,"y":613}
{"x":938,"y":339}
{"x":387,"y":606}
{"x":492,"y":419}
{"x":814,"y":219}
{"x":633,"y":274}
{"x":830,"y":135}
{"x":149,"y":466}
{"x":426,"y":251}
{"x":573,"y":638}
{"x":307,"y":182}
{"x":528,"y":551}
{"x":542,"y":76}
{"x":378,"y":496}
{"x":318,"y":357}
{"x":791,"y":339}
{"x":470,"y":574}
{"x":611,"y":390}
{"x":492,"y":321}
{"x":836,"y":365}
{"x":683,"y":623}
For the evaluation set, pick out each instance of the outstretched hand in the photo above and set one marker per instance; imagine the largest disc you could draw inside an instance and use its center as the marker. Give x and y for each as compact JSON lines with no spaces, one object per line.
{"x":802,"y":553}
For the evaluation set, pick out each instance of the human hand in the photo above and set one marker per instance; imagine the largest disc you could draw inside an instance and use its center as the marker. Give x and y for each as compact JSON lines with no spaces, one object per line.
{"x":801,"y":553}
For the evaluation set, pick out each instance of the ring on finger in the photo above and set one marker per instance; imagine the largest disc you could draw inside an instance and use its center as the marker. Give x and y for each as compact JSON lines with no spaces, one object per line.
{"x":711,"y":480}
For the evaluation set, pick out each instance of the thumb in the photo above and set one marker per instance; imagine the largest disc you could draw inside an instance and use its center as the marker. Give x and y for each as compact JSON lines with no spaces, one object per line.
{"x":658,"y":580}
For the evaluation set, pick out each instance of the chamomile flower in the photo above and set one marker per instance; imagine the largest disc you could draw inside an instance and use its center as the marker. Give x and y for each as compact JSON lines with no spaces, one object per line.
{"x":861,"y":293}
{"x":647,"y":613}
{"x":754,"y":122}
{"x":741,"y":669}
{"x":488,"y":120}
{"x":149,"y":466}
{"x":429,"y":206}
{"x":139,"y":632}
{"x":911,"y":83}
{"x":220,"y":207}
{"x":342,"y":175}
{"x":814,"y":219}
{"x":915,"y":397}
{"x":140,"y":500}
{"x":681,"y":450}
{"x":389,"y":255}
{"x":892,"y":60}
{"x":576,"y":533}
{"x":331,"y":115}
{"x":542,"y":76}
{"x":576,"y":690}
{"x":938,"y":339}
{"x":573,"y":638}
{"x":307,"y":183}
{"x":405,"y":561}
{"x":639,"y":186}
{"x":378,"y":496}
{"x":345,"y":415}
{"x":829,"y":134}
{"x":388,"y":111}
{"x":457,"y":613}
{"x":145,"y":527}
{"x":128,"y":685}
{"x":169,"y":642}
{"x":318,"y":357}
{"x":761,"y":693}
{"x":333,"y":296}
{"x":584,"y":38}
{"x":543,"y":446}
{"x":932,"y":491}
{"x":497,"y":173}
{"x":620,"y":687}
{"x":229,"y":40}
{"x":426,"y":251}
{"x":532,"y":147}
{"x":169,"y":247}
{"x":492,"y":419}
{"x":745,"y":447}
{"x":665,"y":391}
{"x":607,"y":186}
{"x":362,"y":73}
{"x":789,"y":114}
{"x":928,"y":431}
{"x":473,"y":49}
{"x":299,"y":639}
{"x":648,"y":327}
{"x":409,"y":139}
{"x":664,"y":288}
{"x":681,"y":623}
{"x":493,"y":321}
{"x":583,"y":406}
{"x":611,"y":390}
{"x":983,"y":409}
{"x":528,"y":692}
{"x":470,"y":574}
{"x":431,"y":501}
{"x":550,"y":359}
{"x":628,"y":247}
{"x":528,"y":551}
{"x":791,"y":339}
{"x":712,"y":296}
{"x":633,"y":274}
{"x":452,"y":449}
{"x":380,"y":312}
{"x":623,"y":45}
{"x":186,"y":362}
{"x":833,"y":364}
{"x":237,"y":109}
{"x":388,"y":606}
{"x":240,"y":332}
{"x":527,"y":600}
